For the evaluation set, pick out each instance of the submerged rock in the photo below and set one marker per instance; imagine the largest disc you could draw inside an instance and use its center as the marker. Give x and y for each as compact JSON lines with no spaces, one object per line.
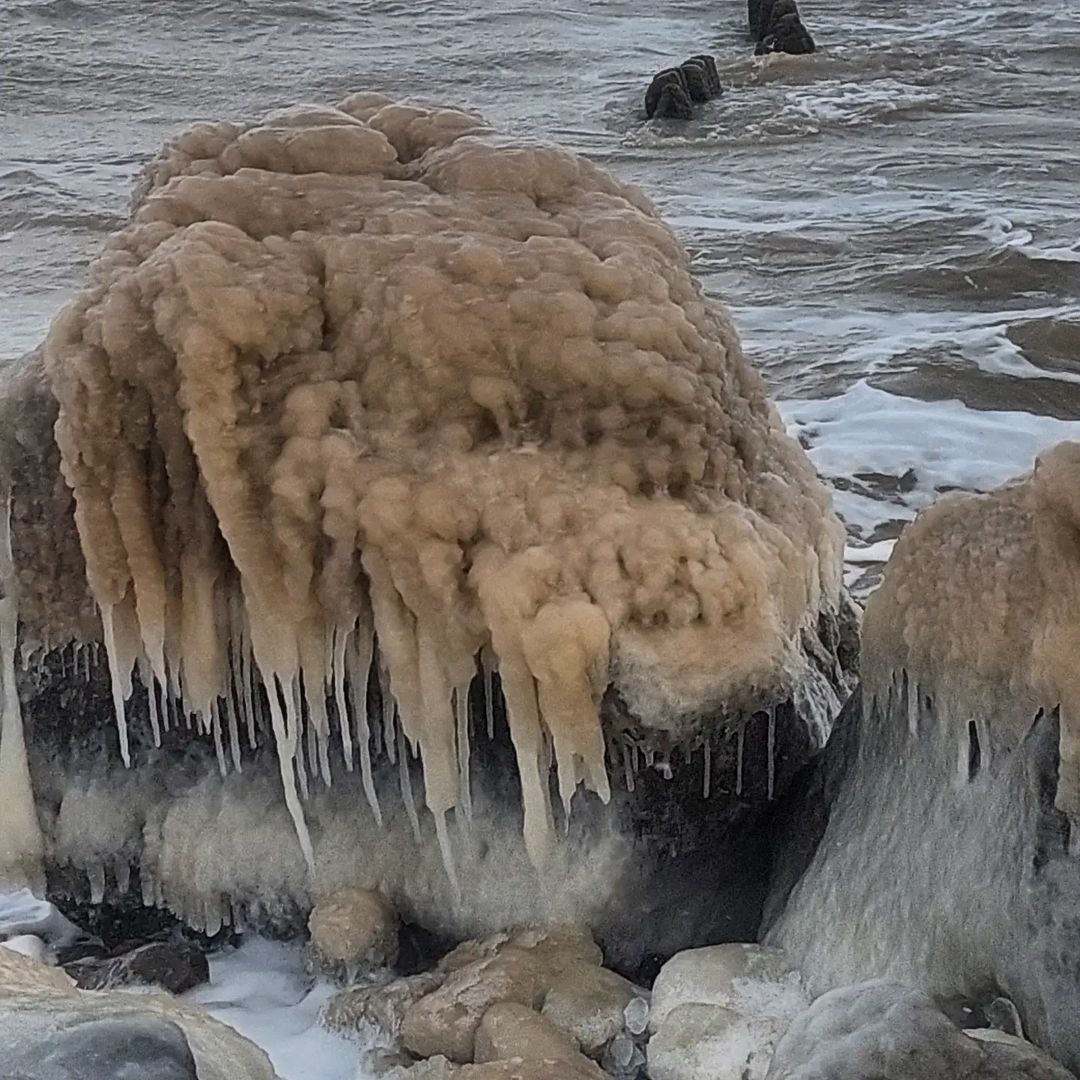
{"x":930,"y":842}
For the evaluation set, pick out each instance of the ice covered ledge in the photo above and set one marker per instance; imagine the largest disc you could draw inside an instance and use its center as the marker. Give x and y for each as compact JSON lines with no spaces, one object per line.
{"x":372,"y":440}
{"x":935,"y":839}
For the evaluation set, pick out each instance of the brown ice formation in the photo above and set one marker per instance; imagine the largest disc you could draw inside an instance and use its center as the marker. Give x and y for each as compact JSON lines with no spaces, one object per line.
{"x":980,"y":610}
{"x":367,"y":385}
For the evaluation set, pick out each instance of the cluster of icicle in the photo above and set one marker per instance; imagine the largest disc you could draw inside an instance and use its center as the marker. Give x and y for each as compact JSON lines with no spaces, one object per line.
{"x":979,"y":611}
{"x":362,"y":385}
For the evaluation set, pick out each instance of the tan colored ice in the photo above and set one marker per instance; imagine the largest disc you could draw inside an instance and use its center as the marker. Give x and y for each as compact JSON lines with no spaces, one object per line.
{"x":370,"y":372}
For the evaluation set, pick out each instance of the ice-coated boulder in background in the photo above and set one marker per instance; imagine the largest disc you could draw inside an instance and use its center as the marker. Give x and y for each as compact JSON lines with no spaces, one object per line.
{"x":887,"y":1031}
{"x":934,"y":841}
{"x":395,"y":502}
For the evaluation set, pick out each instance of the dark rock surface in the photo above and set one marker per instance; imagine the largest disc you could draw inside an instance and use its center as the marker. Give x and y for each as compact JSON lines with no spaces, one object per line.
{"x":120,"y":1048}
{"x":175,"y":966}
{"x":788,"y":35}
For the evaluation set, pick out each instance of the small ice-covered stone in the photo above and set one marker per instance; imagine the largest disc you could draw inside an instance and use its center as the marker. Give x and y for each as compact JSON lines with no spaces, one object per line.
{"x":636,"y":1015}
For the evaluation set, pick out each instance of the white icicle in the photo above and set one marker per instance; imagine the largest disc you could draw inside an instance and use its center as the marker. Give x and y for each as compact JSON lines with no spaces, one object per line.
{"x":358,"y":666}
{"x":118,"y":686}
{"x":294,"y":722}
{"x":152,"y":706}
{"x":122,"y":873}
{"x":406,"y":785}
{"x":215,"y":726}
{"x":447,"y":854}
{"x":341,"y":638}
{"x":706,"y":781}
{"x":234,"y":729}
{"x":628,"y":769}
{"x":912,"y":707}
{"x":95,"y":874}
{"x":286,"y":754}
{"x":461,"y":705}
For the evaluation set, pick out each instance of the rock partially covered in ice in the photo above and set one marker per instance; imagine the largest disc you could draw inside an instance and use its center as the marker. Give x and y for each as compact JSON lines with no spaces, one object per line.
{"x":40,"y":1008}
{"x":97,"y":1049}
{"x":888,"y":1031}
{"x":719,"y":1011}
{"x":740,"y":976}
{"x":510,"y":1031}
{"x":379,"y":1009}
{"x":709,"y":1042}
{"x":353,"y":931}
{"x":520,"y":969}
{"x":371,"y":434}
{"x":969,"y":715}
{"x":22,"y":913}
{"x":175,"y":966}
{"x":589,"y":1003}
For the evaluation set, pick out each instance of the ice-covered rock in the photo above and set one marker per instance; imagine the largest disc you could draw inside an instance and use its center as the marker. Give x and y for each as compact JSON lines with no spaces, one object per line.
{"x":710,"y":1042}
{"x":589,"y":1003}
{"x":395,"y":502}
{"x":47,"y":1024}
{"x":935,"y":839}
{"x":887,"y":1031}
{"x":353,"y":932}
{"x":740,"y":976}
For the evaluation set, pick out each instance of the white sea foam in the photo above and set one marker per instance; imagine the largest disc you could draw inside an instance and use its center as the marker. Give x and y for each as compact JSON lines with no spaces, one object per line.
{"x":935,"y":446}
{"x":262,"y":990}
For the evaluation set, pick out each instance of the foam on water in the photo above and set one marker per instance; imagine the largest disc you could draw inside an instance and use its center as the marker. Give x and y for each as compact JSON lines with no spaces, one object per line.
{"x":262,"y":991}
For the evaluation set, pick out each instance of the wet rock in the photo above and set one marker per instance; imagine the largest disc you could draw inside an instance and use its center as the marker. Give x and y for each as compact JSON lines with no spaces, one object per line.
{"x":175,"y":966}
{"x":509,"y":1030}
{"x":669,"y":78}
{"x":738,"y":976}
{"x":711,"y":74}
{"x":519,"y":968}
{"x":38,"y":1004}
{"x":377,"y":1008}
{"x":111,"y":1048}
{"x":589,"y":1004}
{"x":888,"y":1031}
{"x":696,"y":78}
{"x":778,"y":10}
{"x":709,"y":1042}
{"x":353,"y":931}
{"x":788,"y":35}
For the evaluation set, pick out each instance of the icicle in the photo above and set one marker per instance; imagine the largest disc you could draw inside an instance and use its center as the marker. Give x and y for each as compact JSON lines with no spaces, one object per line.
{"x":706,"y":780}
{"x":122,"y":873}
{"x":772,"y":753}
{"x":295,"y":724}
{"x":341,"y":637}
{"x":982,"y":730}
{"x":118,"y":685}
{"x":389,"y":709}
{"x":146,"y":884}
{"x":152,"y":706}
{"x":447,"y":854}
{"x":628,"y":769}
{"x":912,"y":707}
{"x":406,"y":786}
{"x":234,"y":729}
{"x":95,"y":874}
{"x":214,"y":721}
{"x":286,"y":753}
{"x":740,"y":743}
{"x":247,"y":682}
{"x":358,"y":666}
{"x":461,"y":705}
